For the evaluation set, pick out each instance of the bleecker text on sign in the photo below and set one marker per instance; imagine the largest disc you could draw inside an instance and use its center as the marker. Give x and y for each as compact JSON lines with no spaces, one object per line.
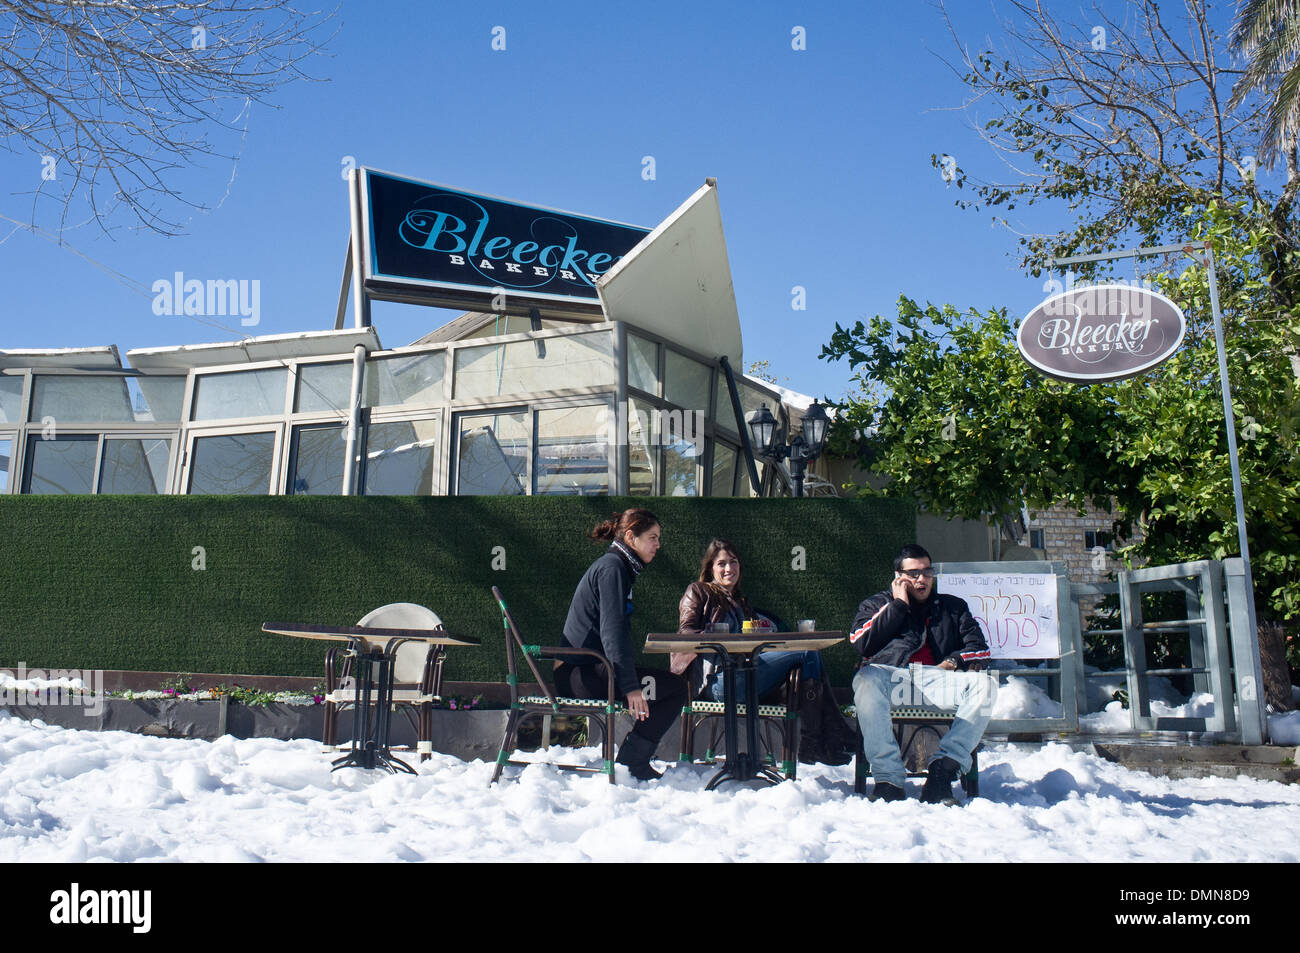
{"x":1017,"y":612}
{"x":1101,"y":332}
{"x":425,"y":241}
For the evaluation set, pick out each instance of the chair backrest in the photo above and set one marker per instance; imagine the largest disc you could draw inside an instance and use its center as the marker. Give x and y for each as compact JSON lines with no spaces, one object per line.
{"x":408,"y":667}
{"x":515,"y":640}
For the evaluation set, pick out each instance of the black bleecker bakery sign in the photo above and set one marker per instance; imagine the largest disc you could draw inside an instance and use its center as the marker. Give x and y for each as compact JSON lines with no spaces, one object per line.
{"x":431,"y":242}
{"x":1101,"y":333}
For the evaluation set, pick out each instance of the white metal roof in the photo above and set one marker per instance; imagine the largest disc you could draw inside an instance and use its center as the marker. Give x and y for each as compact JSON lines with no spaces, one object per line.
{"x":271,"y":347}
{"x":677,"y":282}
{"x":69,"y":357}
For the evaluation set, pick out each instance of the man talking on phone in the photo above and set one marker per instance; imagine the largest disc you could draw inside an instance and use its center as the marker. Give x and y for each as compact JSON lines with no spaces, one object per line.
{"x":919,"y":647}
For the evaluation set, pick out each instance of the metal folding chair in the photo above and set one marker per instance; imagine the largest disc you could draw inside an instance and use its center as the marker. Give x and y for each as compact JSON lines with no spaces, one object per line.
{"x":698,"y":712}
{"x":601,"y":711}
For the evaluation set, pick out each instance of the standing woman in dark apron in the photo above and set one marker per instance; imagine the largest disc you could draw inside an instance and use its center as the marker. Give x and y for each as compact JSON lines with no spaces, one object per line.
{"x":599,"y":618}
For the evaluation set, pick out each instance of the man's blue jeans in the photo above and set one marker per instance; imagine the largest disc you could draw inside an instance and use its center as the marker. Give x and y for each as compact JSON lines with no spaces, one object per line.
{"x":770,"y":671}
{"x":877,"y":688}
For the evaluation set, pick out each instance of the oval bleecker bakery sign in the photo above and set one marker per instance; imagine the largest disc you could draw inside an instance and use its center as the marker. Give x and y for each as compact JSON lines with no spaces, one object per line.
{"x":1101,"y":333}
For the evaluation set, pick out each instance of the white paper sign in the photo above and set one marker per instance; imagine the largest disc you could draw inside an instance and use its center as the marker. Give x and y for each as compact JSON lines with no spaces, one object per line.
{"x":1016,"y":611}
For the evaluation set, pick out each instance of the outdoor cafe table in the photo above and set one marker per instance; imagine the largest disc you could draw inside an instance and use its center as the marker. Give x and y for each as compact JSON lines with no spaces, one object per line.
{"x":374,"y":649}
{"x":737,"y":653}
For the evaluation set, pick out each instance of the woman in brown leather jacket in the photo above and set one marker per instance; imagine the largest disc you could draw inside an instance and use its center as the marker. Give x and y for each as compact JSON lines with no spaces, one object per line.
{"x":715,"y":597}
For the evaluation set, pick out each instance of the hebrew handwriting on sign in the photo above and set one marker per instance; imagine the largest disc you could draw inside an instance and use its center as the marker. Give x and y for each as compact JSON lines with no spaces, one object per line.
{"x":1017,"y":613}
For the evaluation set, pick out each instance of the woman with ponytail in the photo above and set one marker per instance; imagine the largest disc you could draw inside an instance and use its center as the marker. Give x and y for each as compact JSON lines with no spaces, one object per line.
{"x":599,"y":618}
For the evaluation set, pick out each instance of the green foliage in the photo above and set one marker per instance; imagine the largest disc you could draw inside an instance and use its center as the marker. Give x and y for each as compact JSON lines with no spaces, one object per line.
{"x":961,"y":424}
{"x":958,"y":421}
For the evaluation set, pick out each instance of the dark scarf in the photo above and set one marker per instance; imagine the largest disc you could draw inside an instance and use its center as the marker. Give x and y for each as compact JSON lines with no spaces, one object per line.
{"x":631,"y":557}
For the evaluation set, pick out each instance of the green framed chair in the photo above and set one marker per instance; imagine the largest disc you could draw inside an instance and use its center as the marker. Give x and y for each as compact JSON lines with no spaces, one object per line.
{"x":937,"y":720}
{"x":696,"y":713}
{"x":602,"y":712}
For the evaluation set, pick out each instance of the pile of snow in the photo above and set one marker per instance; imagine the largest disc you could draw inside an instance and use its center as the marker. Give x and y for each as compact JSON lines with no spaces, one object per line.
{"x":1022,"y":698}
{"x":75,"y":796}
{"x":11,"y":685}
{"x":1284,"y":728}
{"x":1116,"y":718}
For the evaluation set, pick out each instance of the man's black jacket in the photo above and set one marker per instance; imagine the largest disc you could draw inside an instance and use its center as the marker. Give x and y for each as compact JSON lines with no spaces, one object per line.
{"x":889,"y":631}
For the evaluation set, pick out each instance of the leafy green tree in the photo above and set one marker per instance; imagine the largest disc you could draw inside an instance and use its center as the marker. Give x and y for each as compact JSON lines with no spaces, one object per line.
{"x":958,"y":421}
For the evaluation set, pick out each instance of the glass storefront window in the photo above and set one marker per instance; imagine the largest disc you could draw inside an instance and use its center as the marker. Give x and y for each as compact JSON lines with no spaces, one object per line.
{"x":724,"y":415}
{"x":746,"y":487}
{"x":686,"y":382}
{"x":573,"y":450}
{"x":492,"y":454}
{"x":413,"y":380}
{"x":135,"y":465}
{"x":318,"y":460}
{"x":580,"y":360}
{"x":62,"y":465}
{"x":156,"y":398}
{"x":240,"y":394}
{"x":71,"y":398}
{"x":232,"y":463}
{"x":323,"y":388}
{"x":400,"y":457}
{"x":6,"y":455}
{"x":643,"y":364}
{"x":683,"y":452}
{"x":641,"y":459}
{"x":724,"y":469}
{"x":11,"y":399}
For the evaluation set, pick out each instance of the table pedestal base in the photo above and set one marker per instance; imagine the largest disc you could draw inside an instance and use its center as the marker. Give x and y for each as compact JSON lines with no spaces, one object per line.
{"x":741,"y":766}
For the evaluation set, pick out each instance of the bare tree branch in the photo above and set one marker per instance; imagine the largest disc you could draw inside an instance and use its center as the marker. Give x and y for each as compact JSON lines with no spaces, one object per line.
{"x":116,"y":98}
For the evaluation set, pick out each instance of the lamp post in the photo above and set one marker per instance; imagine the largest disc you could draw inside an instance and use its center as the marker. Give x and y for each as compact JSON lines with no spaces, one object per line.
{"x":802,"y":449}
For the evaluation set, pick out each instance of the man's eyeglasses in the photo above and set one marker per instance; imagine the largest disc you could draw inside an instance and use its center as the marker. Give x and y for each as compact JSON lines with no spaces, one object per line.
{"x":918,"y":573}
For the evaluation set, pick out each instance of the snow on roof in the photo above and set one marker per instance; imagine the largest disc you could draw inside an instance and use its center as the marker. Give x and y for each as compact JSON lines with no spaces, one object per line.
{"x":86,"y":357}
{"x":270,"y":347}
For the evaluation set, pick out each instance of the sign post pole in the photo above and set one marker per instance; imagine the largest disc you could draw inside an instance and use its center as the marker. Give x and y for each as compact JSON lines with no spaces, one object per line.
{"x":1231,"y":423}
{"x":1229,"y":420}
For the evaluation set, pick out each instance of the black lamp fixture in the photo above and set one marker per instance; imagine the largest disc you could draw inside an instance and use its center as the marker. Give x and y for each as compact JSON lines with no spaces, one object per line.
{"x":803,"y":449}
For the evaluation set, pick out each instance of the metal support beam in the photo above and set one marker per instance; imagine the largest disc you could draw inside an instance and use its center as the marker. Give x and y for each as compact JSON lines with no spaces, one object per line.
{"x":352,"y":464}
{"x":360,"y":301}
{"x":1248,"y":672}
{"x":740,"y":424}
{"x":344,"y":286}
{"x":1185,"y":248}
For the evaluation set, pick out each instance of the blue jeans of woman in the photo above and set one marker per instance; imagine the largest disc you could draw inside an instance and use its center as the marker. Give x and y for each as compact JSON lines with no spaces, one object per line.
{"x":770,"y":671}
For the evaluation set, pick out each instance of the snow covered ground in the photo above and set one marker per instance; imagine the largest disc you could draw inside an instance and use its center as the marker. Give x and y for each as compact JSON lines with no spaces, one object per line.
{"x":92,"y":796}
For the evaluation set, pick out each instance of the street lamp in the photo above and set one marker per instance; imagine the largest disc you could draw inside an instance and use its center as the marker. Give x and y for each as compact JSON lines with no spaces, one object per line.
{"x":802,"y":450}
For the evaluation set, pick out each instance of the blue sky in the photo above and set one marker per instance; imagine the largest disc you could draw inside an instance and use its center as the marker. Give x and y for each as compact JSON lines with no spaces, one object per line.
{"x":822,"y":157}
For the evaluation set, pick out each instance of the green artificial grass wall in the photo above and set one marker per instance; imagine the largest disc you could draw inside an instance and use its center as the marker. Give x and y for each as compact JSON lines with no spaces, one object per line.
{"x":110,"y":582}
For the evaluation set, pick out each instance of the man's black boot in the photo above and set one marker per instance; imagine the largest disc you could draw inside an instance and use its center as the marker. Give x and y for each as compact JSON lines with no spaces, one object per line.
{"x":938,"y":783}
{"x":884,"y":791}
{"x":634,"y":753}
